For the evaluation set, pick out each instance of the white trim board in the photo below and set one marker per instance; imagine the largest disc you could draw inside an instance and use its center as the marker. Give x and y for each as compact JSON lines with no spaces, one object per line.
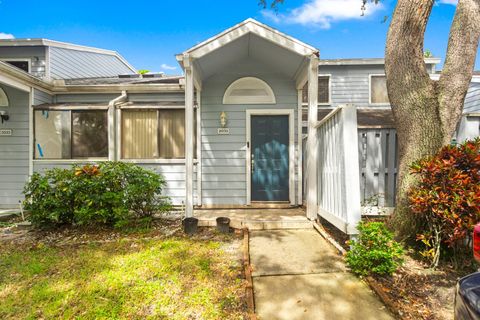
{"x":291,"y":149}
{"x":14,"y":83}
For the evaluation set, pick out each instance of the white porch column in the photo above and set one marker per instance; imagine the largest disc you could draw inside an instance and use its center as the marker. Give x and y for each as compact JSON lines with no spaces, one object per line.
{"x":189,"y":152}
{"x":199,"y":147}
{"x":300,"y":147}
{"x":312,"y":152}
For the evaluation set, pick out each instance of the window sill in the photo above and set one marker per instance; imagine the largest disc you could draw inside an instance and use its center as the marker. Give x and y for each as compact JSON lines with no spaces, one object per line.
{"x":136,"y":161}
{"x":382,"y":104}
{"x":69,"y":160}
{"x":305,"y":104}
{"x":156,"y":161}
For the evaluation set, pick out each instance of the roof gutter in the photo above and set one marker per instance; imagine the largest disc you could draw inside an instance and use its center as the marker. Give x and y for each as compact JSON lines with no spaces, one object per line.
{"x":112,"y":132}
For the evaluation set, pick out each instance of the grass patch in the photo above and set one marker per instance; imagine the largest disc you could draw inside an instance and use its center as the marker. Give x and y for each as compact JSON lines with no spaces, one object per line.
{"x":176,"y":278}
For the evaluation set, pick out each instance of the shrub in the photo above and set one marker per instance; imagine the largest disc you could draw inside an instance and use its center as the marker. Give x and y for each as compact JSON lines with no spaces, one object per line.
{"x":375,"y":251}
{"x":447,"y":197}
{"x":112,"y":193}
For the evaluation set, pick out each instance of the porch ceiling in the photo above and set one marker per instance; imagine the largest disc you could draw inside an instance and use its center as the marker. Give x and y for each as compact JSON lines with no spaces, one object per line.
{"x":251,"y":46}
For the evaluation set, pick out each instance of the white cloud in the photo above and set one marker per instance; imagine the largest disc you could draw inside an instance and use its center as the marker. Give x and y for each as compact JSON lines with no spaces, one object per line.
{"x":322,"y":13}
{"x":6,"y":36}
{"x":452,"y":2}
{"x":165,"y":66}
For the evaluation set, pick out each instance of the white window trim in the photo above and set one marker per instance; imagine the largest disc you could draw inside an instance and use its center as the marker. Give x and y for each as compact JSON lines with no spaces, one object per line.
{"x":291,"y":149}
{"x":329,"y":103}
{"x":144,"y":161}
{"x":269,"y":99}
{"x":64,"y":108}
{"x":370,"y":90}
{"x":28,"y":60}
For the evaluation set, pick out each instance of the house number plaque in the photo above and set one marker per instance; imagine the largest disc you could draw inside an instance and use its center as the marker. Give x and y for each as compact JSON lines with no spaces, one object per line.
{"x":5,"y":132}
{"x":223,"y":131}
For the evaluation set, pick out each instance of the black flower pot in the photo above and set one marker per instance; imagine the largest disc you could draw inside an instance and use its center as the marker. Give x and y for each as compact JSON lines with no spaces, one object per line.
{"x":223,"y":224}
{"x":190,"y":225}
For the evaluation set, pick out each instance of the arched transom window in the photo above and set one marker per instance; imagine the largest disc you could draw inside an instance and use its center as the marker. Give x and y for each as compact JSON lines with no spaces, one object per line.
{"x":249,"y":90}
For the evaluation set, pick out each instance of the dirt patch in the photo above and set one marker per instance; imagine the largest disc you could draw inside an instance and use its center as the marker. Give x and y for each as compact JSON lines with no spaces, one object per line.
{"x":416,"y":292}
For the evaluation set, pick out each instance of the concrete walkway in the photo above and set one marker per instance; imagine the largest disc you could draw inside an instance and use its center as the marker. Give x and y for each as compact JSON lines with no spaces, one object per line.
{"x":298,"y":275}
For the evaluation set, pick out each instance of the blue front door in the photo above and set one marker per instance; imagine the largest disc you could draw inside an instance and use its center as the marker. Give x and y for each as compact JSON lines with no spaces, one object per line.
{"x":270,"y":158}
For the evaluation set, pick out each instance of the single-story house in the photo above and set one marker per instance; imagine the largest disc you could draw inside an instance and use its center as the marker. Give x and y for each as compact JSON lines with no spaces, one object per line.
{"x":231,"y":132}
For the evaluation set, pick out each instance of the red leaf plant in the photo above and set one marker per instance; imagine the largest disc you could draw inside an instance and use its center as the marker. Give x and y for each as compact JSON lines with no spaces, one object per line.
{"x":447,"y":196}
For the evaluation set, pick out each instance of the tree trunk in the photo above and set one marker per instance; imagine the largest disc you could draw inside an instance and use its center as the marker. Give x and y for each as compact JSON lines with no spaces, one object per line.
{"x":426,"y":111}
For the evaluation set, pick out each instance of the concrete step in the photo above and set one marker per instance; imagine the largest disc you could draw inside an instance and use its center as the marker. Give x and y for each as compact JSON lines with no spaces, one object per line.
{"x":260,"y":224}
{"x":256,"y":218}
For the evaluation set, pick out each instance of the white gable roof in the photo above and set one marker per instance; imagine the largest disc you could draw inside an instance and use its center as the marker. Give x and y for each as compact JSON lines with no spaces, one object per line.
{"x":251,"y":26}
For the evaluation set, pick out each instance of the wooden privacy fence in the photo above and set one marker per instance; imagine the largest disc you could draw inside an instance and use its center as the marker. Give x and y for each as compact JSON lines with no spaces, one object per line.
{"x":377,"y":155}
{"x":338,"y":168}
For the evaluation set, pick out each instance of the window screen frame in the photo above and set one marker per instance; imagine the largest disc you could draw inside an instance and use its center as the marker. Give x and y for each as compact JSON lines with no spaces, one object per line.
{"x":70,"y":110}
{"x":150,"y":160}
{"x":370,"y":76}
{"x":329,"y":102}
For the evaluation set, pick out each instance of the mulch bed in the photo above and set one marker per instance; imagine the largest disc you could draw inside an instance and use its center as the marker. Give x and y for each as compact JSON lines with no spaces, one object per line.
{"x":414,"y":291}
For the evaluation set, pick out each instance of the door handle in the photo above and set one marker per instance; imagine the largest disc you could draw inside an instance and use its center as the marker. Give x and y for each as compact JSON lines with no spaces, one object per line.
{"x":253,"y":165}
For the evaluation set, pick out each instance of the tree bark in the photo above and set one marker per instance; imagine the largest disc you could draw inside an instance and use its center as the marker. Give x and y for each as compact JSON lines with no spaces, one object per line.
{"x":426,"y":111}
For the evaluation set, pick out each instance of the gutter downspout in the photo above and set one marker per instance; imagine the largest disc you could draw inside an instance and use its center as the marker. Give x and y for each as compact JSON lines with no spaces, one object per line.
{"x":112,"y":141}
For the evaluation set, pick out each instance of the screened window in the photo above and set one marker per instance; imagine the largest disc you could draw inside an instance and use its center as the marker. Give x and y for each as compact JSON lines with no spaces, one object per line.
{"x":323,"y":90}
{"x":378,"y":89}
{"x":20,"y":64}
{"x":153,"y":134}
{"x":71,"y":134}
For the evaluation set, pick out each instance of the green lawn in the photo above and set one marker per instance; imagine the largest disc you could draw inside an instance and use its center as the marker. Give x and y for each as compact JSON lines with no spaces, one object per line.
{"x":177,"y":278}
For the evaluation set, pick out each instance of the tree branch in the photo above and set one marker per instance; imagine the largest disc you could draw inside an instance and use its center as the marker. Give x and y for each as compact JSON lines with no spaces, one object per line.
{"x":459,"y":63}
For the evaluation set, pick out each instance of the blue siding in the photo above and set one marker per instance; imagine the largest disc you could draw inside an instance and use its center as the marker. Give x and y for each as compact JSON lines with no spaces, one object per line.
{"x":350,"y":84}
{"x":224,"y":157}
{"x":35,"y":54}
{"x":40,"y":97}
{"x":472,"y":99}
{"x":14,"y":149}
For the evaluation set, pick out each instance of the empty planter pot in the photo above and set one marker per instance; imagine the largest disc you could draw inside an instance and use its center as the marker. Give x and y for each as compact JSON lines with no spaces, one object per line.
{"x":190,"y":225}
{"x":223,"y":224}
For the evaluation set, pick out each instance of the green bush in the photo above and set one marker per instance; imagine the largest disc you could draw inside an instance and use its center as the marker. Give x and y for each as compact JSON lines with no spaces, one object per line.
{"x":111,"y":193}
{"x":375,"y":251}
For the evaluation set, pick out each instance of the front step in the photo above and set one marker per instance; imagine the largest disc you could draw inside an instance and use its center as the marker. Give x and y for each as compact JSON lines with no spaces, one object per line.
{"x":260,"y":224}
{"x":256,"y":219}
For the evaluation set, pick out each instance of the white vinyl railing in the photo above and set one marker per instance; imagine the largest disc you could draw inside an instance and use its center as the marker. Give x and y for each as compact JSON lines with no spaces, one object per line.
{"x":338,"y":169}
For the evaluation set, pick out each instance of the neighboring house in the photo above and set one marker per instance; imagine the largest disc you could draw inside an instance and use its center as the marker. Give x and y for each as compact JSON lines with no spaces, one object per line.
{"x":232,"y":132}
{"x":50,"y":60}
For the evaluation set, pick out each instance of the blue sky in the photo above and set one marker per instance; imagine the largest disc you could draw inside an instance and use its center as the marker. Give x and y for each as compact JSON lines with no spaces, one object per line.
{"x":150,"y":33}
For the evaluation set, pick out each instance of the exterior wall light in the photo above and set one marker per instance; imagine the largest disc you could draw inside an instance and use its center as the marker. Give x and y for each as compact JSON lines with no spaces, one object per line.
{"x":223,"y":119}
